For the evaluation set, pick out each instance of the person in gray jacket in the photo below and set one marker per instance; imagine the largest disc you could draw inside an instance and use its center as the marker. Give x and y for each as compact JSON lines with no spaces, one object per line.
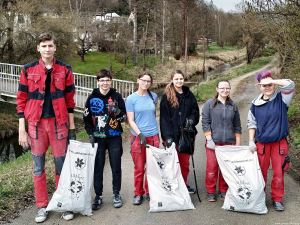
{"x":221,"y":126}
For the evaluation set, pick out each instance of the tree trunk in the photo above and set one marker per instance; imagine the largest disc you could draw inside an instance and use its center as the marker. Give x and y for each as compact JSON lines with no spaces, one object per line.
{"x":163,"y":32}
{"x":134,"y":49}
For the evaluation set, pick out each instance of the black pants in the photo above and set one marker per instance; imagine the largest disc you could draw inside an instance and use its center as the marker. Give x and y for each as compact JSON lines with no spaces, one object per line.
{"x":115,"y":151}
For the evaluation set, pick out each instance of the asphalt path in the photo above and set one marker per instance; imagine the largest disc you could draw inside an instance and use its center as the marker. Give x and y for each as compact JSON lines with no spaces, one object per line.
{"x":204,"y":213}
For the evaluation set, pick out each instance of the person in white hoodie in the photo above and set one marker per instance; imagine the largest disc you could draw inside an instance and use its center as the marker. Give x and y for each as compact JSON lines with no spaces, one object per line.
{"x":268,"y":130}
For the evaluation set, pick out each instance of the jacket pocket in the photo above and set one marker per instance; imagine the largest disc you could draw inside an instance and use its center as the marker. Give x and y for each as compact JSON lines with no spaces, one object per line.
{"x":33,"y":81}
{"x":32,"y":131}
{"x":260,"y":148}
{"x":59,"y":81}
{"x":283,"y":152}
{"x":62,"y":131}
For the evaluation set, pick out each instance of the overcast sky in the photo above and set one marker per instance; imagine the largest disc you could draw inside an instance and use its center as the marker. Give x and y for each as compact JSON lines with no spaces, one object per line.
{"x":226,"y":5}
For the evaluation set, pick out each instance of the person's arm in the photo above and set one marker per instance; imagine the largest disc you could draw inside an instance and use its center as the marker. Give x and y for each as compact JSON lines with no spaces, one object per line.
{"x":195,"y":115}
{"x":69,"y":96}
{"x":24,"y":140}
{"x":132,"y":124}
{"x":22,"y":96}
{"x":237,"y":126}
{"x":121,"y":105}
{"x":251,"y":124}
{"x":206,"y":120}
{"x":87,"y":118}
{"x":165,"y":122}
{"x":287,"y":89}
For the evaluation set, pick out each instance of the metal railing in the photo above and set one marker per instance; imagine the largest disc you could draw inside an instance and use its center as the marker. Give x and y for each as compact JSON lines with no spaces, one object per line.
{"x":84,"y":83}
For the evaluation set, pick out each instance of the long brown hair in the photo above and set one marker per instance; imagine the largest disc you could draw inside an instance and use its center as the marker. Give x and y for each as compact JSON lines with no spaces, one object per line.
{"x":171,"y":92}
{"x":217,"y":94}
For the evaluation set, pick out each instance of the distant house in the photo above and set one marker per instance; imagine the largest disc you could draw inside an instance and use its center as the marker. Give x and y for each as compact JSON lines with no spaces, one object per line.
{"x":108,"y":17}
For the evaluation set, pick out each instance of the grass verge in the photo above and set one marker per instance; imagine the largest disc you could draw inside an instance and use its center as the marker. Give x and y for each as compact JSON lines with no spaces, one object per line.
{"x":206,"y":90}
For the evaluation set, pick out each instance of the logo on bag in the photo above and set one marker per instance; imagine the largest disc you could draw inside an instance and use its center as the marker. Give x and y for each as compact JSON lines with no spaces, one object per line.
{"x":244,"y":193}
{"x":76,"y":187}
{"x":240,"y":170}
{"x":161,"y":164}
{"x":166,"y":185}
{"x":80,"y":163}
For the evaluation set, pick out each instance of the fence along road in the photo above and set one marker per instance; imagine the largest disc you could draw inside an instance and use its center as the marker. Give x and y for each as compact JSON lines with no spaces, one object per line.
{"x":84,"y":83}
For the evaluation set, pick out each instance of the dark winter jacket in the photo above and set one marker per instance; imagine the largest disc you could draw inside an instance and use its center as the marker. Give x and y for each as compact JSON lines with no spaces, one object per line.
{"x":104,"y":113}
{"x":172,"y":119}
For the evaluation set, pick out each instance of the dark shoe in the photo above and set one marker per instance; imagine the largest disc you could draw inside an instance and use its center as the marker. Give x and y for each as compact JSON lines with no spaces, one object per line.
{"x":190,"y":189}
{"x":278,"y":206}
{"x":211,"y":197}
{"x":137,"y":199}
{"x":222,"y":196}
{"x":97,"y":202}
{"x":147,"y":197}
{"x":117,"y":201}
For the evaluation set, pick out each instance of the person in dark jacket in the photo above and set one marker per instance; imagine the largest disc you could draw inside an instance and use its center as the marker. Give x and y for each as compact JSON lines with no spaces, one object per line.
{"x":221,"y":126}
{"x":178,"y":110}
{"x":104,"y":112}
{"x":268,"y":130}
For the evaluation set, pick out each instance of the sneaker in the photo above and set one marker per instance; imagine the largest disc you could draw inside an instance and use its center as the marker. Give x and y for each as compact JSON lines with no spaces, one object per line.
{"x":68,"y":215}
{"x":97,"y":202}
{"x":147,"y":197}
{"x":41,"y":215}
{"x":190,"y":189}
{"x":222,"y":196}
{"x":117,"y":201}
{"x":211,"y":197}
{"x":137,"y":199}
{"x":278,"y":206}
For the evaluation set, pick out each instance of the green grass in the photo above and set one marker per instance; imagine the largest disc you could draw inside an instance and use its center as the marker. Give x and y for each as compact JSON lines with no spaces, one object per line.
{"x":206,"y":90}
{"x":214,"y":47}
{"x":16,"y":183}
{"x":94,"y":61}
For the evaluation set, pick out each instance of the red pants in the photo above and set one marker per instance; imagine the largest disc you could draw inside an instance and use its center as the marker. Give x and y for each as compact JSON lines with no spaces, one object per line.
{"x":46,"y":133}
{"x":213,"y":173}
{"x":276,"y":151}
{"x":138,"y":153}
{"x":184,"y":162}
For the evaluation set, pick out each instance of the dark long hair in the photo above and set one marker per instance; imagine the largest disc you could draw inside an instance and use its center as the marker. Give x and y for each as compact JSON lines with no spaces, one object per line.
{"x":217,"y":94}
{"x":171,"y":92}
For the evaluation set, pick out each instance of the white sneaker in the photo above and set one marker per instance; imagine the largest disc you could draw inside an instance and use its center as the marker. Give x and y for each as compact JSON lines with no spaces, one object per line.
{"x":68,"y":215}
{"x":41,"y":215}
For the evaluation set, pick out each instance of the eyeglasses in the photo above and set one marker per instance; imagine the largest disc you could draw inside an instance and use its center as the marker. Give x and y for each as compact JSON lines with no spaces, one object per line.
{"x":104,"y":81}
{"x":146,"y":81}
{"x":227,"y":89}
{"x":266,"y":85}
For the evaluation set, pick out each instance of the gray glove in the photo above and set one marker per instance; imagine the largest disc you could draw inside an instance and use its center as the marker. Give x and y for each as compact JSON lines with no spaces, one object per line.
{"x":92,"y":140}
{"x":210,"y":144}
{"x":252,"y":146}
{"x":142,"y":139}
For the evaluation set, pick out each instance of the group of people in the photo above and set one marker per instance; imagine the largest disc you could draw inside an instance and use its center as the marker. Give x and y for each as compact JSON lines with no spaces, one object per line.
{"x":45,"y":98}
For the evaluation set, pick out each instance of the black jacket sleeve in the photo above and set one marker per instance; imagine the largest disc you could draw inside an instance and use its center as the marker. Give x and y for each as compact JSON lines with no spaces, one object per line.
{"x":87,"y":118}
{"x":121,"y":105}
{"x":165,"y":119}
{"x":195,"y":115}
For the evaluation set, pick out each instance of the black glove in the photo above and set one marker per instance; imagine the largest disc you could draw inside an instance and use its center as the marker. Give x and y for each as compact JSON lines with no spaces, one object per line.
{"x":122,"y":118}
{"x":142,"y":139}
{"x":169,"y":142}
{"x":189,"y":125}
{"x":92,"y":140}
{"x":72,"y":134}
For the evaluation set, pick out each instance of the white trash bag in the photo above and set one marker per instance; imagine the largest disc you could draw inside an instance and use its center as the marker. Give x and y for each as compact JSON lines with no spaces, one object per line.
{"x":241,"y":171}
{"x":167,"y":189}
{"x":74,"y":191}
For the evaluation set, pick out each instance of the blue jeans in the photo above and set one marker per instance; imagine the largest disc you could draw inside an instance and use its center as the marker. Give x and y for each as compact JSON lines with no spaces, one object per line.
{"x":115,"y":151}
